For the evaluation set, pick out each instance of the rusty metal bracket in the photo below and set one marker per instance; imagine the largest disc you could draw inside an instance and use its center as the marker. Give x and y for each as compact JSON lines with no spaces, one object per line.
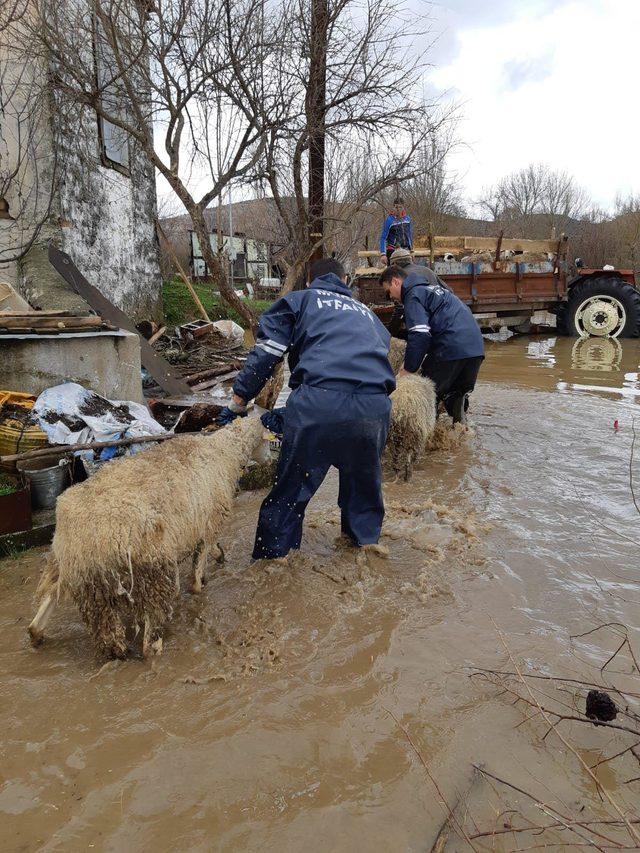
{"x":496,"y":262}
{"x":519,"y":282}
{"x":159,"y":369}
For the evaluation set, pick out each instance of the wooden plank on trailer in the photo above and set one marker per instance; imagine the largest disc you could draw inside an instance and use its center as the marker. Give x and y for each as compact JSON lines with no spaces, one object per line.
{"x":456,"y":244}
{"x":159,"y":369}
{"x":488,"y":244}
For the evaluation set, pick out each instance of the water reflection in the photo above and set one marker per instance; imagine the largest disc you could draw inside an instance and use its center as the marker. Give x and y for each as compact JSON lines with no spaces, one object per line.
{"x":597,"y":354}
{"x":604,"y":366}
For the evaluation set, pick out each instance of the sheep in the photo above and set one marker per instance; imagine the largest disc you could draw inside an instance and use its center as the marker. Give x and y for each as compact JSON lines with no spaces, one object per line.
{"x":396,"y":354}
{"x":121,"y":534}
{"x":413,"y":419}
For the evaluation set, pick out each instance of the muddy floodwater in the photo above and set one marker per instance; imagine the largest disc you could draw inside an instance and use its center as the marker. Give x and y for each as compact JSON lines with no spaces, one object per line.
{"x":328,"y":702}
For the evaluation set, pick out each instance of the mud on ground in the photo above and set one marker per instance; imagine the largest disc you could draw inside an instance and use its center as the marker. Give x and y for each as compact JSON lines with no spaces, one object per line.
{"x":314,"y":703}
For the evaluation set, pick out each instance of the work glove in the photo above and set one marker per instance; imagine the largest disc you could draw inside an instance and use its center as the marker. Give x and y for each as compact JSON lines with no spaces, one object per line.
{"x":274,"y":421}
{"x":230,"y":413}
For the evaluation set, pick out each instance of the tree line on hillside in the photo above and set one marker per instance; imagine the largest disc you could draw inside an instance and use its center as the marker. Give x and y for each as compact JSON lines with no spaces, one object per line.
{"x":540,"y":202}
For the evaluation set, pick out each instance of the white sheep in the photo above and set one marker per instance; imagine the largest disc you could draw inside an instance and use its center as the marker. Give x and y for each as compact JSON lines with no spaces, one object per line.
{"x":121,"y":534}
{"x":397,"y":350}
{"x":413,"y":419}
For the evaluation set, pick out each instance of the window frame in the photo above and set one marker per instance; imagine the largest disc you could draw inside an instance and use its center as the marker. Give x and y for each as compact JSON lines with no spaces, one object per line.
{"x":105,"y":160}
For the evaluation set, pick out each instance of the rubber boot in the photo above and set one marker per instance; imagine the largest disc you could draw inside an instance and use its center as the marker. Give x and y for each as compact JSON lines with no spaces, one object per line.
{"x":458,"y":408}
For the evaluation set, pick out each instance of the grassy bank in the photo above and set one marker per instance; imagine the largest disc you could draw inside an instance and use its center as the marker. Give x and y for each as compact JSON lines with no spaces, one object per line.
{"x":180,"y":308}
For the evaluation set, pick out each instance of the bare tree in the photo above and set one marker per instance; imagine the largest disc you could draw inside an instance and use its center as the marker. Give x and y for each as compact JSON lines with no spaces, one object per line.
{"x":562,"y":199}
{"x":435,"y":193}
{"x":532,"y":192}
{"x":593,"y":240}
{"x":371,"y":112}
{"x":183,"y":81}
{"x":627,"y":222}
{"x":516,"y":198}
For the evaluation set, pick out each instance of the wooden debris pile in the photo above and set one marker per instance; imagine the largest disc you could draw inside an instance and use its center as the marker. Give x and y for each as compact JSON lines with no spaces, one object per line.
{"x":202,"y":362}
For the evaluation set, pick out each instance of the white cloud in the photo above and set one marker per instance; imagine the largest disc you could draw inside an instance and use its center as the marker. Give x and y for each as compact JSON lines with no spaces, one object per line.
{"x":558,"y":87}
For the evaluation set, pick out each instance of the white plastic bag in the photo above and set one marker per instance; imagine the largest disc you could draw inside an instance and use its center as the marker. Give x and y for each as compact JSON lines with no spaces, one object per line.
{"x":230,"y":330}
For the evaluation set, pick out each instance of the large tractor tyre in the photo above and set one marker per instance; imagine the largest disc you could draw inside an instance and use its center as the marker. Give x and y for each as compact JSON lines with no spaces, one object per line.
{"x":601,"y":307}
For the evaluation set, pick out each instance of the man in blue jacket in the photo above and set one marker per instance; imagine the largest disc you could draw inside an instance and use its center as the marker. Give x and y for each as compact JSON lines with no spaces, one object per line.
{"x":397,"y":231}
{"x":337,"y":413}
{"x":443,"y":338}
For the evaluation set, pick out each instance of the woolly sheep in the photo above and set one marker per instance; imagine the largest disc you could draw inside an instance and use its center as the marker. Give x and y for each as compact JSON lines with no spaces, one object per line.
{"x":413,"y":419}
{"x":121,"y":534}
{"x":396,"y":354}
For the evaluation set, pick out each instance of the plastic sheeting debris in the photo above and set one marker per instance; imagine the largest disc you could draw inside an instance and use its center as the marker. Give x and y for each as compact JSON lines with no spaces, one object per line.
{"x":70,"y":414}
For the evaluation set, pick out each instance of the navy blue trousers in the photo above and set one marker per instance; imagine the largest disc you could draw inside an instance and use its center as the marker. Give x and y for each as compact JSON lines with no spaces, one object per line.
{"x":324,"y":428}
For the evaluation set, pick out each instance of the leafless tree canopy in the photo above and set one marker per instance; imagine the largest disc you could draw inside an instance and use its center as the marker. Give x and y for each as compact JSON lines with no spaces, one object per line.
{"x":188,"y":83}
{"x":537,"y":201}
{"x":214,"y":92}
{"x":435,"y":193}
{"x":534,"y":190}
{"x":375,"y":118}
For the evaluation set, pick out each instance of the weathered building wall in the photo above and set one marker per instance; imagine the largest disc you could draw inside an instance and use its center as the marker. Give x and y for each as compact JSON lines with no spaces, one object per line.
{"x":104,"y":219}
{"x":108,"y":219}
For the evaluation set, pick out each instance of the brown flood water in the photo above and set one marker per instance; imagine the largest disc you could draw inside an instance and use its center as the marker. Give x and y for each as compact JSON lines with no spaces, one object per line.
{"x":266,"y":724}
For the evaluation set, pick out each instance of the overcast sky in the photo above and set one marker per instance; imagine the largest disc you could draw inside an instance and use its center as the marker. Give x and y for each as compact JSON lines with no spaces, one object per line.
{"x":543,"y":80}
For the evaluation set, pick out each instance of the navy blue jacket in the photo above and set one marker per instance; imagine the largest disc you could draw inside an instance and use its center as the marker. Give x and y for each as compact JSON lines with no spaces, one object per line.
{"x":333,"y":342}
{"x":397,"y":231}
{"x":437,"y":323}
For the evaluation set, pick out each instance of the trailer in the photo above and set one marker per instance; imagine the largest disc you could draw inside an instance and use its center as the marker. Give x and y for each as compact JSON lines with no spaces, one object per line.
{"x":514,"y":282}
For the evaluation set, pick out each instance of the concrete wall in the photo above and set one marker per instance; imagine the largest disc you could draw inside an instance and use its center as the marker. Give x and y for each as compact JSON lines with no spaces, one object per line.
{"x":102,"y":218}
{"x":107,"y":364}
{"x":108,"y":218}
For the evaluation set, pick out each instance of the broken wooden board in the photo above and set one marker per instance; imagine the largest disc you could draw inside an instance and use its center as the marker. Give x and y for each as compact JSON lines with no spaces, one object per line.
{"x":38,"y":322}
{"x":219,"y":380}
{"x":157,"y":367}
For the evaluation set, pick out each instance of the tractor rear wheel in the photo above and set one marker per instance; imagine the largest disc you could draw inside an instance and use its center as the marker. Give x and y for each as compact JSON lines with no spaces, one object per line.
{"x":601,"y":307}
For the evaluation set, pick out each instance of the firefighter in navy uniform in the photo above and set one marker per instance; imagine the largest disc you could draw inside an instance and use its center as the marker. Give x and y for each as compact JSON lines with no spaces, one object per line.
{"x":403,"y":258}
{"x":337,"y":413}
{"x":443,"y":338}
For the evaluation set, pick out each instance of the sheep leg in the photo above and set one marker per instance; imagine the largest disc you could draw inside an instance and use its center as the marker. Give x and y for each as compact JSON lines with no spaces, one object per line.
{"x":220,"y":556}
{"x":199,"y":563}
{"x":109,"y":633}
{"x":41,"y":619}
{"x":151,"y":639}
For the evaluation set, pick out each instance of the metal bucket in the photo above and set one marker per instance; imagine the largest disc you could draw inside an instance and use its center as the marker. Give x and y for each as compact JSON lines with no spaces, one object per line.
{"x":48,"y":479}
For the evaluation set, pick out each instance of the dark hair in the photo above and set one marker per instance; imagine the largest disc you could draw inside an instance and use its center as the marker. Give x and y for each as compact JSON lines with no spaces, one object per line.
{"x":325,"y":266}
{"x":391,"y":273}
{"x":398,"y":200}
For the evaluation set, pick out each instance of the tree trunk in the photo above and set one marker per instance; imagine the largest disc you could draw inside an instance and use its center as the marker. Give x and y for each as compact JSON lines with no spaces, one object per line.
{"x":295,"y":270}
{"x":218,"y":273}
{"x":315,"y":107}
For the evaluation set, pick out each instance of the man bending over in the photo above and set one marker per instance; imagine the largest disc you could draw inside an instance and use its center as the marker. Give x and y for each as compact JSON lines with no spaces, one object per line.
{"x":337,"y":413}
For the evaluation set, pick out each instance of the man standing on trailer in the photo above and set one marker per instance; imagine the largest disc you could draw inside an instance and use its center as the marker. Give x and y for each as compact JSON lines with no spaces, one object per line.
{"x":397,"y":231}
{"x":337,"y":413}
{"x":443,"y":339}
